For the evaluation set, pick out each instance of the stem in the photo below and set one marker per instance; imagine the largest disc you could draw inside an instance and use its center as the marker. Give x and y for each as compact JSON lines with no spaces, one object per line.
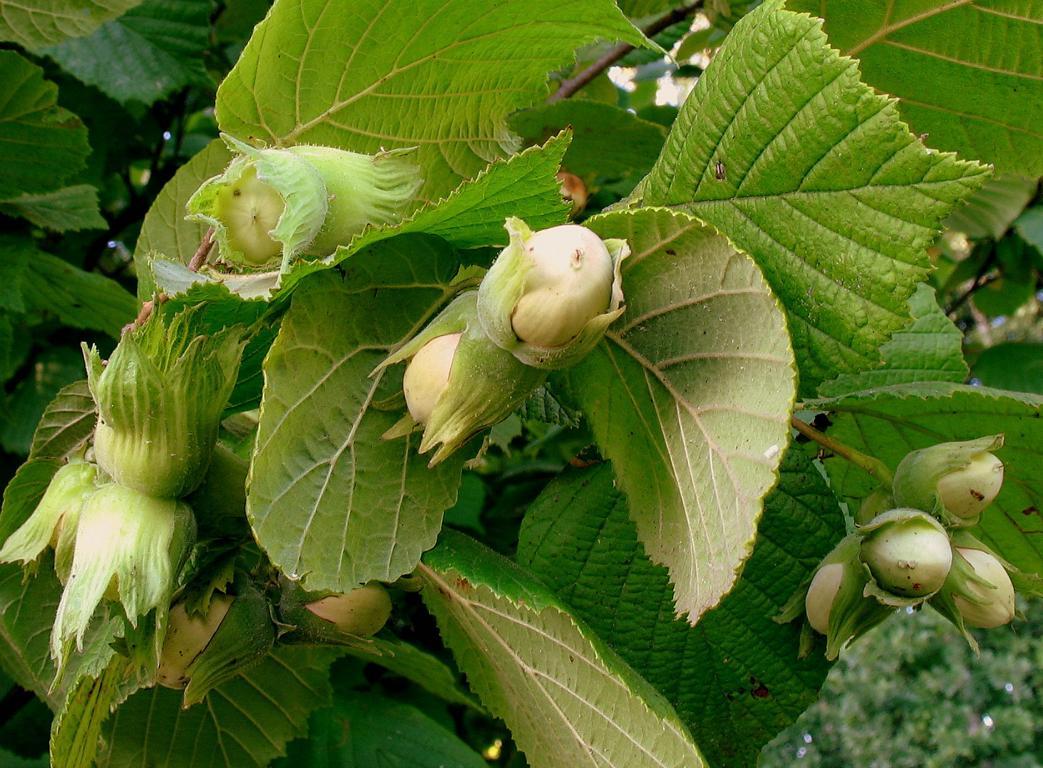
{"x":573,"y":84}
{"x":202,"y":252}
{"x":869,"y":464}
{"x":976,"y":283}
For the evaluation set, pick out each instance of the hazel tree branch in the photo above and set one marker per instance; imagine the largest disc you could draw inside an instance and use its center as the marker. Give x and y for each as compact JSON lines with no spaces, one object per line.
{"x":573,"y":84}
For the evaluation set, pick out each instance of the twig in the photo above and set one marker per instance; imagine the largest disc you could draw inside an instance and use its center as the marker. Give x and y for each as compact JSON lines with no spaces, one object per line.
{"x":570,"y":86}
{"x":144,"y":313}
{"x":976,"y":283}
{"x":202,"y":252}
{"x":870,"y":464}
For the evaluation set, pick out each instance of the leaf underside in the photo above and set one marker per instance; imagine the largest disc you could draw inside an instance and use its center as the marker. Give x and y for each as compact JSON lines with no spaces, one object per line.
{"x":689,"y":394}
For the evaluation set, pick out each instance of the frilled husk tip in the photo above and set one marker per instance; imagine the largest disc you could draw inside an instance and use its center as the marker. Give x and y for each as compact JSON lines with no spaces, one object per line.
{"x":160,"y":399}
{"x":270,"y":206}
{"x":59,"y":509}
{"x":129,"y":547}
{"x":486,"y":383}
{"x":506,"y":284}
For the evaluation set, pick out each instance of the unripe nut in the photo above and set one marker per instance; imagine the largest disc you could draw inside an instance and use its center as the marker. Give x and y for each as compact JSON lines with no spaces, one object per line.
{"x":818,"y":603}
{"x":999,"y":608}
{"x":250,"y":209}
{"x":910,"y":558}
{"x":363,"y":611}
{"x":570,"y":283}
{"x":427,"y":375}
{"x":187,"y":637}
{"x":966,"y":492}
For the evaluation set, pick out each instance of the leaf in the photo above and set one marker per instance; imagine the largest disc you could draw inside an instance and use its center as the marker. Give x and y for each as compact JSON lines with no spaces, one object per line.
{"x":27,"y":609}
{"x":1011,"y":365}
{"x":640,"y":9}
{"x":9,"y":760}
{"x":410,"y":662}
{"x":69,"y":209}
{"x":1029,"y":225}
{"x":53,"y":369}
{"x":165,"y":230}
{"x":45,"y":22}
{"x":992,"y":209}
{"x":244,"y":722}
{"x":41,"y":144}
{"x":689,"y":395}
{"x":932,"y":54}
{"x":66,"y":423}
{"x":440,"y":75}
{"x":888,"y":423}
{"x":161,"y":45}
{"x":823,"y":186}
{"x":607,"y":141}
{"x":543,"y":405}
{"x":366,"y":730}
{"x":41,"y":284}
{"x":735,"y":678}
{"x":929,"y":349}
{"x":566,"y":696}
{"x":76,"y":729}
{"x":330,"y":501}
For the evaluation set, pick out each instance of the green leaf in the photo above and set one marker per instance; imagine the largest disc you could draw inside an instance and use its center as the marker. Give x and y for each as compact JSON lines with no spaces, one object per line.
{"x":888,"y":423}
{"x":928,"y":349}
{"x":37,"y":283}
{"x":473,"y":214}
{"x":330,"y":501}
{"x":68,"y":209}
{"x":27,"y":607}
{"x":165,"y":230}
{"x":543,"y":405}
{"x":433,"y":74}
{"x":408,"y":661}
{"x":690,"y":394}
{"x":67,"y":422}
{"x":1029,"y":225}
{"x":992,"y":209}
{"x":10,"y":760}
{"x":41,"y":144}
{"x":734,"y":678}
{"x":640,"y":9}
{"x":566,"y":696}
{"x":933,"y":54}
{"x":822,"y":184}
{"x":366,"y":730}
{"x":53,"y":369}
{"x":244,"y":722}
{"x":1012,"y":365}
{"x":45,"y":22}
{"x":160,"y":43}
{"x":76,"y":729}
{"x":607,"y":141}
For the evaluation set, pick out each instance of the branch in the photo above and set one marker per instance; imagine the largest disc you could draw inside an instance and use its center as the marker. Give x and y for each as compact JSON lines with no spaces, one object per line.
{"x":570,"y":86}
{"x":979,"y":281}
{"x":202,"y":252}
{"x":870,"y":464}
